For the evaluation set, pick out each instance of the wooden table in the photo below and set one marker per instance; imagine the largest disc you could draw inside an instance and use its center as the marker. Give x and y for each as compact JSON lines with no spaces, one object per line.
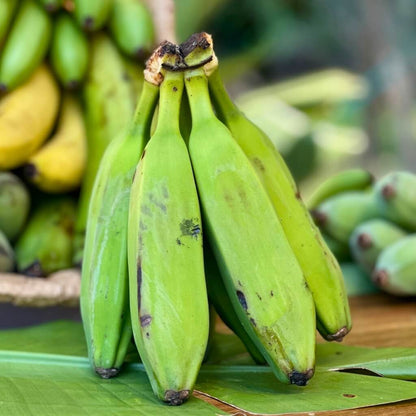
{"x":378,"y":321}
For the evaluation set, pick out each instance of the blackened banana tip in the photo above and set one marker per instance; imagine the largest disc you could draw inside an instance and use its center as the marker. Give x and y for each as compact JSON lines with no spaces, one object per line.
{"x":176,"y":398}
{"x":319,"y":217}
{"x":107,"y":372}
{"x":364,"y":241}
{"x":301,"y":379}
{"x":339,"y":335}
{"x":34,"y":270}
{"x":380,"y":277}
{"x":29,"y":170}
{"x":88,"y":24}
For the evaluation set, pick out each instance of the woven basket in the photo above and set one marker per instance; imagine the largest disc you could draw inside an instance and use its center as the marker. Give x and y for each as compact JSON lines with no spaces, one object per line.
{"x":60,"y":288}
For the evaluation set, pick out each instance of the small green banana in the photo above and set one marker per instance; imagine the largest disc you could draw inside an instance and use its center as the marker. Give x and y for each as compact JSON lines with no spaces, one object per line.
{"x":14,"y":205}
{"x":339,"y":215}
{"x":26,"y":45}
{"x":69,"y":51}
{"x":7,"y":9}
{"x":347,"y":180}
{"x":370,"y":238}
{"x":262,"y":276}
{"x":168,"y":299}
{"x":92,"y":14}
{"x":45,"y":244}
{"x":218,"y":297}
{"x":132,"y":27}
{"x":396,"y":195}
{"x":395,"y":269}
{"x":6,"y":254}
{"x":104,"y":284}
{"x":51,"y":6}
{"x":109,"y":105}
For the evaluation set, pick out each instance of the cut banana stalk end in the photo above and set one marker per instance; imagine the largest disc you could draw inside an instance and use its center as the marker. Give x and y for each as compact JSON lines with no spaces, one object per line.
{"x":301,"y":379}
{"x":176,"y":398}
{"x":107,"y":372}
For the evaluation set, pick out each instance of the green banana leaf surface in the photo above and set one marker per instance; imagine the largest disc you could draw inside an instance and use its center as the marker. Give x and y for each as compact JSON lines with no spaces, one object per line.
{"x":44,"y":370}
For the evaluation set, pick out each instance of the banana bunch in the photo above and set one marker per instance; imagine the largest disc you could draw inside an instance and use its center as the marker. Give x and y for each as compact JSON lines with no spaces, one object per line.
{"x":370,"y":225}
{"x":202,"y":211}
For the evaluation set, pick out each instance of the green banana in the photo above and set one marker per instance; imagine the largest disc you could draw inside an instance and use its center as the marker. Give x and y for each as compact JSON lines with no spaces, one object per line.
{"x":69,"y":52}
{"x":370,"y":238}
{"x":339,"y":215}
{"x":260,"y":271}
{"x":168,"y":299}
{"x":92,"y":14}
{"x":109,"y":106}
{"x":26,"y":45}
{"x":395,"y":269}
{"x":131,"y":25}
{"x":14,"y":205}
{"x":357,"y":281}
{"x":51,"y":6}
{"x":346,"y":180}
{"x":45,"y":244}
{"x":6,"y":254}
{"x":319,"y":266}
{"x":7,"y":9}
{"x":218,"y":297}
{"x":104,"y":283}
{"x":396,"y":195}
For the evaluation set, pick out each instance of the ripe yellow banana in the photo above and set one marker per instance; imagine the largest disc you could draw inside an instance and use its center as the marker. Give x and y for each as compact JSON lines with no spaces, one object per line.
{"x":58,"y":166}
{"x":260,"y":271}
{"x":27,"y":115}
{"x":168,"y":297}
{"x":320,"y":268}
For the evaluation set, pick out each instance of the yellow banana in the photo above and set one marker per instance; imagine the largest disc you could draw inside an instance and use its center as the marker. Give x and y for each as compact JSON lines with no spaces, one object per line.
{"x":27,"y":116}
{"x":58,"y":166}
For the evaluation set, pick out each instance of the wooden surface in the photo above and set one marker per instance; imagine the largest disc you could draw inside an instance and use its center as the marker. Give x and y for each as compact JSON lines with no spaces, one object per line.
{"x":378,"y":321}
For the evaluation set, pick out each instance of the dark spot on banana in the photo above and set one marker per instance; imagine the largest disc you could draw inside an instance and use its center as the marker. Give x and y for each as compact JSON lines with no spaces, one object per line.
{"x":258,"y":295}
{"x":242,"y":299}
{"x":258,"y":164}
{"x":271,"y":293}
{"x":338,"y":352}
{"x":107,"y":372}
{"x":145,"y":320}
{"x":349,"y":395}
{"x":176,"y":398}
{"x":190,"y":227}
{"x":297,"y":194}
{"x":300,"y":379}
{"x":147,"y":335}
{"x":364,"y":241}
{"x":143,"y":153}
{"x":179,"y":242}
{"x":174,"y":89}
{"x":88,"y":23}
{"x":139,"y":284}
{"x":239,"y":283}
{"x":34,"y":269}
{"x":388,"y":191}
{"x":253,"y":322}
{"x":159,"y":204}
{"x":134,"y":175}
{"x":380,"y":277}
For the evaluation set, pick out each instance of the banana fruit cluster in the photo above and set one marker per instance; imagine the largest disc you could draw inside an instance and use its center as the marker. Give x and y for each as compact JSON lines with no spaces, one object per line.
{"x":193,"y":206}
{"x":70,"y":74}
{"x":371,"y":223}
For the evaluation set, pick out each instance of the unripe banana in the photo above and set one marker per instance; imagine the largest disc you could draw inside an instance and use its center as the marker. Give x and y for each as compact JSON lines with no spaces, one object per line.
{"x":7,"y":9}
{"x":69,"y":52}
{"x":346,"y":180}
{"x":104,"y":284}
{"x":59,"y":165}
{"x":14,"y":205}
{"x":26,"y":45}
{"x":339,"y":215}
{"x":92,"y":14}
{"x":396,"y":195}
{"x":395,"y":269}
{"x":318,"y":264}
{"x":109,"y":106}
{"x":51,"y":6}
{"x":132,"y":27}
{"x":370,"y":238}
{"x":168,"y":299}
{"x":45,"y":244}
{"x":262,"y":276}
{"x":6,"y":254}
{"x":27,"y":116}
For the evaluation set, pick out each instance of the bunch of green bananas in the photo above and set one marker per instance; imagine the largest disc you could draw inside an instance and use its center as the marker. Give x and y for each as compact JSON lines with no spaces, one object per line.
{"x":192,"y":205}
{"x":69,"y":81}
{"x":373,"y":224}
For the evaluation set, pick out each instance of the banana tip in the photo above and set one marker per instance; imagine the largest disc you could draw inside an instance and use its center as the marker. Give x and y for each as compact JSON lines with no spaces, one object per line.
{"x":388,"y":191}
{"x":176,"y":398}
{"x":319,"y":217}
{"x":301,"y":378}
{"x":380,"y":277}
{"x":30,"y":171}
{"x":3,"y":88}
{"x":88,"y":24}
{"x":364,"y":241}
{"x":73,"y":84}
{"x":34,"y":270}
{"x":339,"y":335}
{"x":107,"y":372}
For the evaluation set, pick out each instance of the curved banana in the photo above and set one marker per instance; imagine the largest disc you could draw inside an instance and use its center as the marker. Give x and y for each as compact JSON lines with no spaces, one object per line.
{"x":104,"y":284}
{"x":168,"y":299}
{"x":395,"y":269}
{"x":6,"y":254}
{"x":109,"y":105}
{"x":26,"y":45}
{"x":347,"y":180}
{"x":7,"y":9}
{"x":27,"y":116}
{"x":132,"y":27}
{"x":262,"y":276}
{"x":396,"y":196}
{"x":14,"y":205}
{"x":318,"y":264}
{"x":45,"y":244}
{"x":370,"y":238}
{"x":92,"y":14}
{"x":59,"y":165}
{"x":69,"y":52}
